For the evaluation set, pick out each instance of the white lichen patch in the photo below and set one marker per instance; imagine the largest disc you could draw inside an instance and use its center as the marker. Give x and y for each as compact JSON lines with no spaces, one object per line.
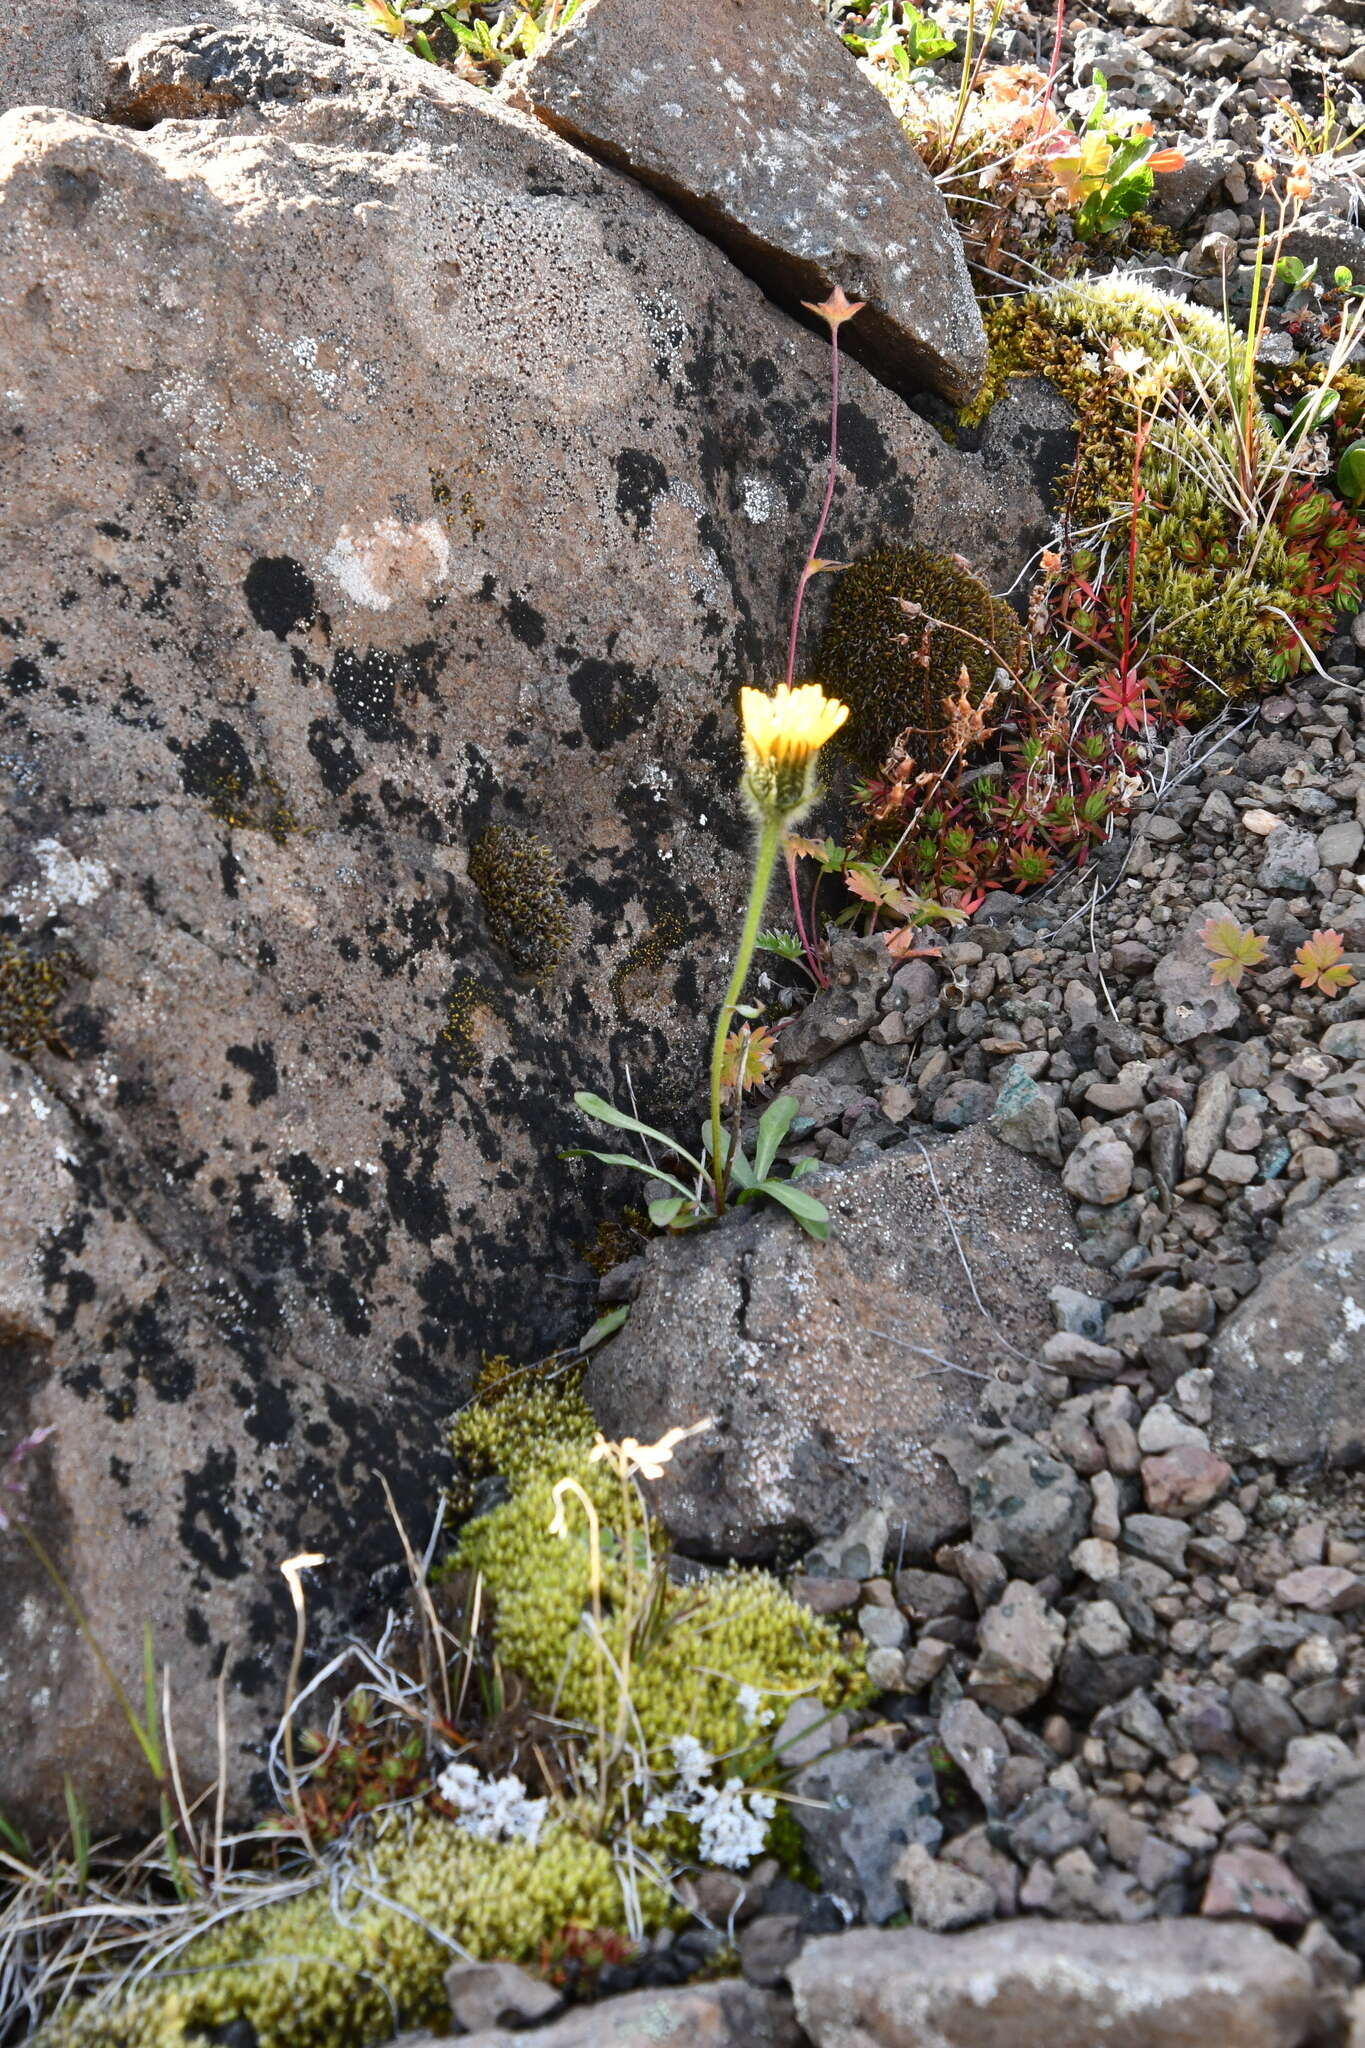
{"x":760,"y":500}
{"x":64,"y":879}
{"x":387,"y":560}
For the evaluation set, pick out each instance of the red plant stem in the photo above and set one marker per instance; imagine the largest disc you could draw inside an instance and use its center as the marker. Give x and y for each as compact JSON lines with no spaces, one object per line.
{"x":1141,"y":432}
{"x":821,"y":979}
{"x":1052,"y":69}
{"x":809,"y":568}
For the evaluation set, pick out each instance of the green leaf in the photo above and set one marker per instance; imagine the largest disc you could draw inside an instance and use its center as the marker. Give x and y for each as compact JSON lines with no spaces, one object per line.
{"x":604,"y":1112}
{"x":1343,"y":277}
{"x":773,"y":1126}
{"x":1314,"y":410}
{"x":813,"y":1216}
{"x":606,"y":1326}
{"x":9,"y":1833}
{"x":784,"y":943}
{"x":80,"y":1831}
{"x":1351,"y":472}
{"x":150,"y":1734}
{"x":625,"y":1159}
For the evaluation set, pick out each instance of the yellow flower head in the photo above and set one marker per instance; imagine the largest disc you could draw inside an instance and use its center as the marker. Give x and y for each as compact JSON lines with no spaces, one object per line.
{"x":782,"y":736}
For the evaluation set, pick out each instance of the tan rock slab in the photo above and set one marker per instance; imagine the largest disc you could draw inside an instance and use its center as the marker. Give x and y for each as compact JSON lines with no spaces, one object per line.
{"x":759,"y":127}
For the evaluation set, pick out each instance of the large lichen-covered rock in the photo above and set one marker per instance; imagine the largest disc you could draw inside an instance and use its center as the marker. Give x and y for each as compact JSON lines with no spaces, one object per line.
{"x":833,"y":1370}
{"x":757,"y":125}
{"x":383,"y":474}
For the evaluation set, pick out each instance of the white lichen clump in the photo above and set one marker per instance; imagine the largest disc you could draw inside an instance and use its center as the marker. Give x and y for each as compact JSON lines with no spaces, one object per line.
{"x":493,"y":1809}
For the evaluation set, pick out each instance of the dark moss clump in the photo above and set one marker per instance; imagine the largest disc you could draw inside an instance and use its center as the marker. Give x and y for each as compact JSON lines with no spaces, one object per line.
{"x":647,"y":956}
{"x":523,"y":897}
{"x":471,"y":1008}
{"x":618,"y":1238}
{"x":894,"y":668}
{"x":31,"y":986}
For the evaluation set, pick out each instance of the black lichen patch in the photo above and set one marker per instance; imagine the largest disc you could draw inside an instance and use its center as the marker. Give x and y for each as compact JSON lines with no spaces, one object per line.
{"x":217,"y":769}
{"x":640,"y":479}
{"x":524,"y":622}
{"x":257,"y":1061}
{"x":369,"y":687}
{"x":217,"y":762}
{"x":23,"y":678}
{"x":209,"y":1528}
{"x":32,"y":985}
{"x":280,"y":595}
{"x":522,"y":892}
{"x":366,"y":689}
{"x":613,"y":698}
{"x":338,"y":763}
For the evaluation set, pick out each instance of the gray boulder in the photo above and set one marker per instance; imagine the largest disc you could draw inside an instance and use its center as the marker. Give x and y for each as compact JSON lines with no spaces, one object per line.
{"x":832,"y":1369}
{"x":1289,"y":1363}
{"x":1055,"y":1984}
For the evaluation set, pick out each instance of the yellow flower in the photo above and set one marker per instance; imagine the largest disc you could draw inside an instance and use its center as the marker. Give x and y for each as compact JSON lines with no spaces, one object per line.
{"x":782,"y":736}
{"x":1083,"y":171}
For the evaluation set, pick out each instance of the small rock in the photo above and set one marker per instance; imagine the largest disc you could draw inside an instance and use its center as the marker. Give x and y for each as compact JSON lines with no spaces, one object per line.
{"x":1099,"y":1628}
{"x":1100,"y":1169}
{"x":1161,"y":1429}
{"x":768,"y":1946}
{"x":1264,"y":1719}
{"x":886,"y":1669}
{"x":859,"y":1809}
{"x":884,"y":1627}
{"x":1291,"y":863}
{"x":1028,"y":1509}
{"x":825,"y":1596}
{"x":1080,"y":1357}
{"x":941,"y":1897}
{"x":1183,"y":1481}
{"x":808,"y":1732}
{"x":1024,"y":1115}
{"x":1251,"y":1884}
{"x":1346,"y":1040}
{"x":1212,"y":1108}
{"x":1328,"y":1852}
{"x":978,"y":1748}
{"x":1158,"y":1537}
{"x":1322,"y":1589}
{"x":1020,"y":1642}
{"x":497,"y":1995}
{"x":1192,"y":1004}
{"x":927,"y":1596}
{"x":1079,"y":1313}
{"x":1339,"y":845}
{"x":1310,"y":1761}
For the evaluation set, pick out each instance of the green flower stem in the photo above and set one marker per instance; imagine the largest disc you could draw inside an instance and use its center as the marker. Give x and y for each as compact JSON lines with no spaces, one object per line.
{"x":765,"y":859}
